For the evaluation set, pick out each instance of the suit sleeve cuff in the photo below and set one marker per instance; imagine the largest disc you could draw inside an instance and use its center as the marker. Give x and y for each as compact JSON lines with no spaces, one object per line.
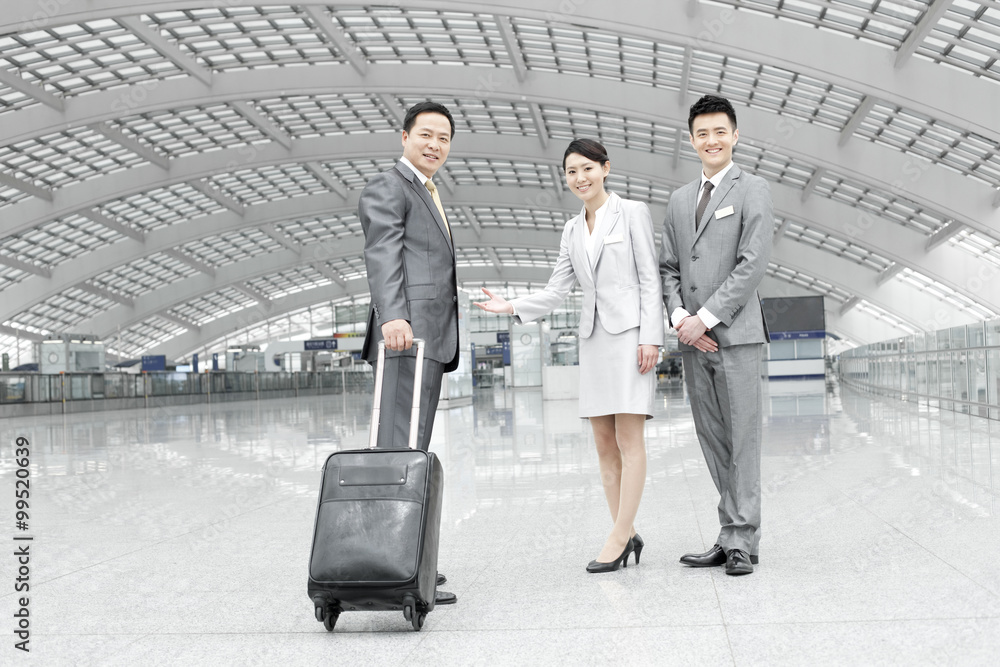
{"x":708,"y":318}
{"x":678,"y":315}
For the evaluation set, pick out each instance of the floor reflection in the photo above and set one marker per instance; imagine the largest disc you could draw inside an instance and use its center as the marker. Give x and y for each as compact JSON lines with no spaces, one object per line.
{"x":958,"y":452}
{"x":201,"y":503}
{"x":506,"y":437}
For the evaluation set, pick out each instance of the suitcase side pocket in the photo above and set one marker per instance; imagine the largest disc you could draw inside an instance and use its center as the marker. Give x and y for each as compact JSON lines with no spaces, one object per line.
{"x":366,"y":540}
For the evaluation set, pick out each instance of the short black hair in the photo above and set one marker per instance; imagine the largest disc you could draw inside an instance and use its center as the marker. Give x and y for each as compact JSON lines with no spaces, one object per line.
{"x":426,"y":107}
{"x":711,"y":104}
{"x":588,"y":148}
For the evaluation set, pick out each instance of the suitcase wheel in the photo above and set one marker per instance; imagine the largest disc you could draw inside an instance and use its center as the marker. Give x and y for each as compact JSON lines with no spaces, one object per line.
{"x":412,"y":614}
{"x":327,"y":617}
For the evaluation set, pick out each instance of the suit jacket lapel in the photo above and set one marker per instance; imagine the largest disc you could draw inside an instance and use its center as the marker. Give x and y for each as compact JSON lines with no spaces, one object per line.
{"x":425,"y":195}
{"x":612,"y":218}
{"x":690,"y":203}
{"x":578,"y":247}
{"x":713,"y":204}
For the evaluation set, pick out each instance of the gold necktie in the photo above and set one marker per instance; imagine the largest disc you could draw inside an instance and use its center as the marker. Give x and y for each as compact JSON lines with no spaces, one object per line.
{"x":437,"y":202}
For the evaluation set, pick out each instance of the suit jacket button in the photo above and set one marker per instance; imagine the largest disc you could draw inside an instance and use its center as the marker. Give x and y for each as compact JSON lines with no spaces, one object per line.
{"x":694,"y":289}
{"x":695,"y":258}
{"x":454,"y":299}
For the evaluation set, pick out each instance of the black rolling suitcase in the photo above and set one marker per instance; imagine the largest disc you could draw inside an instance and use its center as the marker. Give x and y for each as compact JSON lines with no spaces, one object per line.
{"x":375,"y":544}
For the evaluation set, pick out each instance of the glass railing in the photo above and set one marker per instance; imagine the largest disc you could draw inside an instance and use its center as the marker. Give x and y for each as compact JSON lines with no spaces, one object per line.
{"x":38,"y":388}
{"x":953,"y":369}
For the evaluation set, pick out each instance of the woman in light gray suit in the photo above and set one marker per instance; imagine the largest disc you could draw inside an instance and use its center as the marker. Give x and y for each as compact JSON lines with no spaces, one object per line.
{"x":608,"y":248}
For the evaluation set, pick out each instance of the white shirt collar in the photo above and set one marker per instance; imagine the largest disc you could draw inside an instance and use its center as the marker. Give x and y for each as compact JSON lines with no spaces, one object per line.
{"x":715,"y":179}
{"x":420,"y":174}
{"x":599,"y":219}
{"x":598,"y":214}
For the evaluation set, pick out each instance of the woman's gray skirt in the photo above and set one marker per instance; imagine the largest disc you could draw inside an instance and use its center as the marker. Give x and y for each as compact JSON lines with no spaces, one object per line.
{"x":610,"y":382}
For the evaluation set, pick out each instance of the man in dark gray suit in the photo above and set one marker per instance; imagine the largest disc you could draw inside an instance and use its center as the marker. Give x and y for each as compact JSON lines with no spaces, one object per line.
{"x":716,"y":245}
{"x":410,"y":258}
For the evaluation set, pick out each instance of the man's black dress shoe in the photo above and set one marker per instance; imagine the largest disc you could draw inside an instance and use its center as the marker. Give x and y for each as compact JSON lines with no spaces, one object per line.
{"x":441,"y":579}
{"x":738,"y":562}
{"x":442,"y":597}
{"x":714,"y":557}
{"x":711,"y":558}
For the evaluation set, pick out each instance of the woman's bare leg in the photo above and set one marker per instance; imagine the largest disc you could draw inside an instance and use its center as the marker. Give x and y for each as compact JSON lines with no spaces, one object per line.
{"x":610,"y":458}
{"x":631,"y":480}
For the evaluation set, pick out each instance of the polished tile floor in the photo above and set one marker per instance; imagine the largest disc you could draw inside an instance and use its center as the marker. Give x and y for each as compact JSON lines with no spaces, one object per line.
{"x":180,"y":536}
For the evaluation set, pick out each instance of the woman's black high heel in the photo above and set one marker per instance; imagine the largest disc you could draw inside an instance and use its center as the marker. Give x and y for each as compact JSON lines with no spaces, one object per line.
{"x":638,"y":544}
{"x":597,"y":566}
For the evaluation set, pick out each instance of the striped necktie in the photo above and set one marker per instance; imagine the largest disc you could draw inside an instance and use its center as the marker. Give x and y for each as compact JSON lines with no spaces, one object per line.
{"x":703,"y":204}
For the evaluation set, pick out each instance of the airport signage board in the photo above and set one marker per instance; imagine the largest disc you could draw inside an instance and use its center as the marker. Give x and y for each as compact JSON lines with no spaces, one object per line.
{"x":321,"y":344}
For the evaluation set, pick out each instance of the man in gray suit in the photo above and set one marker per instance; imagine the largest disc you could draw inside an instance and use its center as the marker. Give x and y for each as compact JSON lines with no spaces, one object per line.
{"x":410,"y":258}
{"x":716,"y":245}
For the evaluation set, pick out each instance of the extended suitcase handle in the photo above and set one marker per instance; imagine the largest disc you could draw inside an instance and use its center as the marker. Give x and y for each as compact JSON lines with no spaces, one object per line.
{"x":418,"y":377}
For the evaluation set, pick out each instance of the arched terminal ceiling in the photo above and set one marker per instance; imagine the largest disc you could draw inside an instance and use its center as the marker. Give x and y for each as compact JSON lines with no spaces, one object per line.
{"x":962,"y":203}
{"x":944,"y":263}
{"x":866,"y":67}
{"x":813,"y":147}
{"x":898,"y":298}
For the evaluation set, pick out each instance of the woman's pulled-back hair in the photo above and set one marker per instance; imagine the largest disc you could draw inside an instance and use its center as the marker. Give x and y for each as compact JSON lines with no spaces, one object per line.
{"x":588,"y":148}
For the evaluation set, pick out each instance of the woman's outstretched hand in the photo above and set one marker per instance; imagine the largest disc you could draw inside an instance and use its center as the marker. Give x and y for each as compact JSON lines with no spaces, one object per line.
{"x":496,"y":304}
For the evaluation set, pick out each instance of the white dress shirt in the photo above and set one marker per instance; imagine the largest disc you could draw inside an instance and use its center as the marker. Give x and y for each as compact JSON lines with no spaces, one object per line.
{"x":420,"y":174}
{"x":599,"y":216}
{"x":679,"y":313}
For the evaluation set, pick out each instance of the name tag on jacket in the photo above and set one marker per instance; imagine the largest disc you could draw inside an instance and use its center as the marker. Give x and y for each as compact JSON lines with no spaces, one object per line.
{"x":723,"y":212}
{"x":615,"y":238}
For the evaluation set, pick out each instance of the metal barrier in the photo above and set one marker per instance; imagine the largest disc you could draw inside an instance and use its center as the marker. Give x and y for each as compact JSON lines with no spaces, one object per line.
{"x":28,"y":388}
{"x":954,"y":369}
